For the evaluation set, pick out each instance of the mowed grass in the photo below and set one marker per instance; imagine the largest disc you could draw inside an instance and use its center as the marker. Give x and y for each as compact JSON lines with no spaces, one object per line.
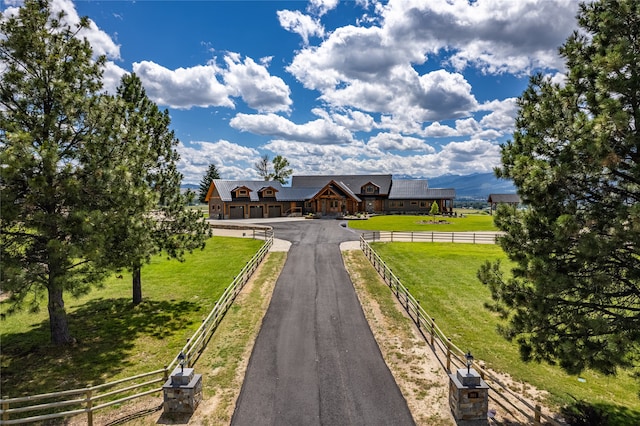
{"x":114,"y":338}
{"x":442,"y":277}
{"x":468,"y":223}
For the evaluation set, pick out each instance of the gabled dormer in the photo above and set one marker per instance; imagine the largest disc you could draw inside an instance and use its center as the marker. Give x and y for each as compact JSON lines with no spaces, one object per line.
{"x":241,"y":192}
{"x":267,"y":192}
{"x":369,"y":188}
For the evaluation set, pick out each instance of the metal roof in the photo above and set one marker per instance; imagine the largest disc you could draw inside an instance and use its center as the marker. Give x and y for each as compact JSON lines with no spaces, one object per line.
{"x":296,"y":194}
{"x":353,"y":182}
{"x":415,"y":189}
{"x":408,"y":188}
{"x":225,"y":187}
{"x":348,"y":190}
{"x":306,"y":187}
{"x":440,"y":193}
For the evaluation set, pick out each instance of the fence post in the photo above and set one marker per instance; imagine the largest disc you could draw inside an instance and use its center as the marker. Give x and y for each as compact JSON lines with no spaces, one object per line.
{"x":448,"y":355}
{"x":411,"y":236}
{"x":431,"y":236}
{"x":5,"y":407}
{"x":89,"y":407}
{"x":453,"y":234}
{"x":536,"y":415}
{"x":433,"y":329}
{"x":474,"y":238}
{"x":418,"y":313}
{"x":406,"y":298}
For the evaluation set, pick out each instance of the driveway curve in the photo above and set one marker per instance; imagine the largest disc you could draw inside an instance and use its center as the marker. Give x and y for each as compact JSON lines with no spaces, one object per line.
{"x":315,"y":360}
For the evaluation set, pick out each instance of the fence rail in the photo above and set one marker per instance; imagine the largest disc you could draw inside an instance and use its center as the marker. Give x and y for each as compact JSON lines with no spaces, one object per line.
{"x":443,"y":347}
{"x":84,"y":400}
{"x":488,"y":237}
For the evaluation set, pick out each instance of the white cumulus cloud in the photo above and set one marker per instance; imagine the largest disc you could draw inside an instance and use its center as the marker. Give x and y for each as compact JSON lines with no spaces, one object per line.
{"x":396,"y":142}
{"x":319,"y":131}
{"x":212,"y":85}
{"x":260,"y":90}
{"x":495,"y":35}
{"x":183,"y":88}
{"x":299,"y":23}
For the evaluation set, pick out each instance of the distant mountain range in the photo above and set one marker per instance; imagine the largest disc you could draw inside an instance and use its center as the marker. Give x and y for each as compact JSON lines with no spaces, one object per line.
{"x":475,"y":186}
{"x":478,"y":185}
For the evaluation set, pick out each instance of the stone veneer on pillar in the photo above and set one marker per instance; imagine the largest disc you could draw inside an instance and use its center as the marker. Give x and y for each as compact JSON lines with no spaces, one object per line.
{"x":182,"y":392}
{"x":468,"y":397}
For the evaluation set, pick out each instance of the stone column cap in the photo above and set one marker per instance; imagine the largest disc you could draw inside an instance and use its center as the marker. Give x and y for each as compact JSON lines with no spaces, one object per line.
{"x":472,"y":379}
{"x":179,"y":377}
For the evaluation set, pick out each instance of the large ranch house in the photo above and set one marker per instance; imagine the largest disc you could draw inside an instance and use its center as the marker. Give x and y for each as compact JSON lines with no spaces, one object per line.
{"x":326,"y":196}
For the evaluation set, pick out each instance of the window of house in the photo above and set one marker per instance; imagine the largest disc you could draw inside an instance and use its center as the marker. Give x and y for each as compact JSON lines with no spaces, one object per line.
{"x":423,"y":204}
{"x":269,"y":193}
{"x":414,"y":203}
{"x":334,"y":203}
{"x":242,"y":193}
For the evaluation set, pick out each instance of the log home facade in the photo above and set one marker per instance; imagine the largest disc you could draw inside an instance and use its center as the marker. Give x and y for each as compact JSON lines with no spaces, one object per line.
{"x":327,"y":196}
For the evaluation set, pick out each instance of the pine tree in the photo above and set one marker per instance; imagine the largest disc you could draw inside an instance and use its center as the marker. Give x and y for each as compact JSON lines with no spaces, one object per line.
{"x":573,"y":296}
{"x":205,"y":183}
{"x":60,"y":168}
{"x":159,"y":221}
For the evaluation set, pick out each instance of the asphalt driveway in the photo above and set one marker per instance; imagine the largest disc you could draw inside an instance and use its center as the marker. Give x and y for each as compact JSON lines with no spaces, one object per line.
{"x":315,"y":360}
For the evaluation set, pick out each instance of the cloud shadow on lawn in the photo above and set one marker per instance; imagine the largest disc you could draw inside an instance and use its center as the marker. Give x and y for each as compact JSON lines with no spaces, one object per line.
{"x":105,"y":330}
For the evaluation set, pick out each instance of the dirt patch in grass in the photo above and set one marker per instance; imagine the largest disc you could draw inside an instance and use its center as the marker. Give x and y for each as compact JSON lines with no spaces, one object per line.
{"x":434,"y":222}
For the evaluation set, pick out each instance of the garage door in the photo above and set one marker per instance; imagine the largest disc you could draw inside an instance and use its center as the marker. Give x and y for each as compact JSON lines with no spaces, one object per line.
{"x":255,"y":212}
{"x":236,"y":212}
{"x":275,"y":211}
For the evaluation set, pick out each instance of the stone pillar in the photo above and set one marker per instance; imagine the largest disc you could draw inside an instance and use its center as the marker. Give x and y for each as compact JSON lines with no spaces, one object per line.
{"x":182,"y":392}
{"x":468,"y":398}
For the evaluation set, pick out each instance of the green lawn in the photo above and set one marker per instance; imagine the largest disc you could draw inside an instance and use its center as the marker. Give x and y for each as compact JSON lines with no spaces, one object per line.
{"x":442,"y":277}
{"x":471,"y":222}
{"x":116,"y":339}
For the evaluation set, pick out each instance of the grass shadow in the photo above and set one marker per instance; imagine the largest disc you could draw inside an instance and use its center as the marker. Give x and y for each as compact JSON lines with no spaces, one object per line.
{"x":105,"y":331}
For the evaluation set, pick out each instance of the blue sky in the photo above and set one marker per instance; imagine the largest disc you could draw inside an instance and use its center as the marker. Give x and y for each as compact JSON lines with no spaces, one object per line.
{"x":420,"y":88}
